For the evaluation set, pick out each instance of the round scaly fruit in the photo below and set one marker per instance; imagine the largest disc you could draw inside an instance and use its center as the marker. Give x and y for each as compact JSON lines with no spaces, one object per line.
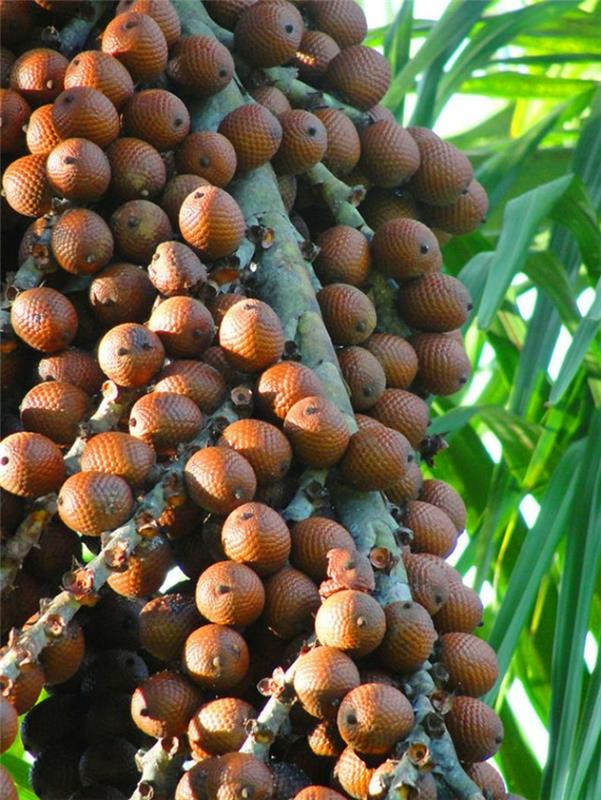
{"x":158,"y":117}
{"x":78,"y":170}
{"x":283,"y":385}
{"x":25,"y":186}
{"x":464,"y":215}
{"x":93,"y":502}
{"x":118,"y":453}
{"x":81,"y":242}
{"x":263,"y":445}
{"x":162,"y":12}
{"x":358,"y":75}
{"x":176,"y":191}
{"x":376,"y":459}
{"x":175,"y":269}
{"x":348,"y":313}
{"x":193,"y":783}
{"x":165,"y":624}
{"x":363,"y":375}
{"x":200,"y":382}
{"x":251,"y":336}
{"x":488,"y":779}
{"x":304,"y":141}
{"x":146,"y":570}
{"x":83,"y":112}
{"x":272,"y":98}
{"x":230,"y":594}
{"x":201,"y":65}
{"x":163,"y":704}
{"x":55,"y":410}
{"x":373,"y":717}
{"x":31,"y":465}
{"x":409,"y":637}
{"x":352,"y":621}
{"x":323,"y":676}
{"x":226,"y":12}
{"x":312,"y":539}
{"x":211,"y":221}
{"x":462,"y":610}
{"x":268,"y":34}
{"x":257,"y":536}
{"x":9,"y":724}
{"x":318,"y":431}
{"x":209,"y":155}
{"x":138,"y":227}
{"x":442,"y":495}
{"x":55,"y":772}
{"x":397,"y":357}
{"x":382,"y":205}
{"x":291,"y":600}
{"x":444,"y":172}
{"x":15,"y":112}
{"x":476,"y":730}
{"x":38,"y":75}
{"x":184,"y":325}
{"x":318,"y":793}
{"x":470,"y":662}
{"x":139,"y":44}
{"x":403,"y":412}
{"x":103,"y":72}
{"x":427,"y":581}
{"x":63,"y":656}
{"x":433,"y":531}
{"x":24,"y":691}
{"x":137,"y":169}
{"x":222,"y":303}
{"x":113,"y":670}
{"x":343,"y":20}
{"x":130,"y":354}
{"x":44,"y":319}
{"x":165,"y":420}
{"x":313,"y":56}
{"x":353,"y":773}
{"x":344,"y":146}
{"x":218,"y":727}
{"x":41,"y":136}
{"x":254,"y":133}
{"x":435,"y":303}
{"x":216,"y":657}
{"x":443,"y":366}
{"x":239,"y":775}
{"x":404,"y":249}
{"x":121,"y":293}
{"x":343,"y":256}
{"x":219,"y":479}
{"x":389,"y":154}
{"x":325,"y":740}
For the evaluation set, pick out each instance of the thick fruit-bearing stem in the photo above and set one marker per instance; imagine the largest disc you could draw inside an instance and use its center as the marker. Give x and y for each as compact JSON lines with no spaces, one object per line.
{"x":27,"y":535}
{"x":74,"y":35}
{"x":161,"y":767}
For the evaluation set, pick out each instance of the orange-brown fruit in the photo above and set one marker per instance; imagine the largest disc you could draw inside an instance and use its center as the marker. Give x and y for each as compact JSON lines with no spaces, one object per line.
{"x":343,"y":256}
{"x":130,"y":354}
{"x":313,"y":56}
{"x":352,"y":621}
{"x":470,"y":662}
{"x":230,"y":594}
{"x":165,"y":624}
{"x":344,"y":146}
{"x":222,"y":303}
{"x":256,"y":535}
{"x":389,"y":154}
{"x":283,"y":385}
{"x":139,"y":226}
{"x":201,"y":65}
{"x":117,"y":453}
{"x":325,"y":740}
{"x":82,"y":242}
{"x":359,"y":76}
{"x":163,"y":704}
{"x":25,"y":186}
{"x":139,"y":44}
{"x":348,"y":313}
{"x":9,"y":724}
{"x":405,"y":248}
{"x":343,"y":20}
{"x":317,"y":793}
{"x":318,"y":431}
{"x":158,"y":117}
{"x":219,"y":479}
{"x":272,"y":98}
{"x":397,"y":357}
{"x":164,"y":420}
{"x":268,"y":34}
{"x":364,"y":377}
{"x":373,"y":717}
{"x":121,"y":293}
{"x":353,"y":773}
{"x":435,"y":303}
{"x":41,"y":136}
{"x":103,"y":72}
{"x":347,"y":569}
{"x":251,"y":335}
{"x":443,"y":364}
{"x":409,"y":637}
{"x":488,"y":779}
{"x":86,"y":113}
{"x":291,"y":600}
{"x":380,"y":112}
{"x":462,"y":216}
{"x":147,"y":567}
{"x":226,"y":12}
{"x":433,"y":531}
{"x":304,"y":142}
{"x":93,"y":502}
{"x":404,"y":412}
{"x":264,"y":446}
{"x":24,"y":691}
{"x":209,"y":155}
{"x":137,"y":169}
{"x":211,"y":221}
{"x":176,"y":270}
{"x":216,"y":657}
{"x":184,"y":325}
{"x":14,"y":112}
{"x":200,"y":382}
{"x":63,"y":656}
{"x":218,"y":727}
{"x":323,"y":676}
{"x":162,"y":12}
{"x":462,"y":610}
{"x":193,"y":783}
{"x":476,"y":730}
{"x":78,"y":170}
{"x":444,"y":172}
{"x":38,"y":75}
{"x":312,"y":539}
{"x":382,"y":205}
{"x":427,"y":581}
{"x":55,"y":409}
{"x":442,"y":495}
{"x":254,"y":133}
{"x":176,"y":191}
{"x":239,"y":775}
{"x":31,"y":465}
{"x":376,"y":458}
{"x":44,"y":319}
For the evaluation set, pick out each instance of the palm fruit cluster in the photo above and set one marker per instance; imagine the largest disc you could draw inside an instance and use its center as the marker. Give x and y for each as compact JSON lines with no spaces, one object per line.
{"x":124,"y":207}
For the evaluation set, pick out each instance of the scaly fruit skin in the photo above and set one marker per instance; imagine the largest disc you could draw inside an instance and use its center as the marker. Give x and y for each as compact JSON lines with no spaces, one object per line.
{"x":38,"y":75}
{"x":487,"y":778}
{"x":139,"y":226}
{"x":304,"y":142}
{"x":343,"y":20}
{"x":263,"y":445}
{"x":118,"y":453}
{"x":254,"y":133}
{"x":137,"y":169}
{"x":283,"y":385}
{"x":317,"y":430}
{"x":26,"y":187}
{"x":139,"y":44}
{"x":219,"y":479}
{"x":147,"y":567}
{"x":93,"y":502}
{"x":184,"y":325}
{"x":201,"y":65}
{"x":409,"y":637}
{"x":100,"y":71}
{"x":359,"y":75}
{"x":343,"y":256}
{"x":313,"y":56}
{"x":268,"y":34}
{"x":352,"y":621}
{"x":240,"y":775}
{"x":163,"y":13}
{"x":15,"y":113}
{"x":435,"y":303}
{"x":323,"y":676}
{"x":164,"y":420}
{"x":444,"y":367}
{"x":81,"y":242}
{"x":463,"y":216}
{"x":312,"y":538}
{"x":433,"y":531}
{"x":470,"y":662}
{"x":230,"y":594}
{"x":121,"y":293}
{"x":256,"y":535}
{"x":427,"y":581}
{"x":325,"y":740}
{"x":404,"y":412}
{"x":41,"y":135}
{"x":383,"y":205}
{"x":85,"y":113}
{"x":291,"y":600}
{"x":163,"y":704}
{"x":130,"y":354}
{"x":175,"y":269}
{"x":376,"y":458}
{"x":462,"y":610}
{"x":62,"y":657}
{"x":348,"y":314}
{"x":272,"y":98}
{"x":211,"y":221}
{"x":25,"y":690}
{"x":353,"y":774}
{"x":443,"y":496}
{"x":55,"y":410}
{"x":408,"y":487}
{"x":216,"y":657}
{"x":218,"y":727}
{"x":372,"y":717}
{"x":363,"y":375}
{"x":444,"y":171}
{"x":165,"y":624}
{"x":251,"y":336}
{"x":78,"y":170}
{"x":209,"y":155}
{"x":176,"y":191}
{"x":193,"y":783}
{"x":200,"y":382}
{"x":31,"y":465}
{"x":397,"y":357}
{"x":344,"y":146}
{"x":405,"y":248}
{"x":158,"y":117}
{"x":389,"y":154}
{"x":476,"y":730}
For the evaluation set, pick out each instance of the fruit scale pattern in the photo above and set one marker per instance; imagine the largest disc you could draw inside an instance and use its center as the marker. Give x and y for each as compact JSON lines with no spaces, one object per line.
{"x":199,"y":371}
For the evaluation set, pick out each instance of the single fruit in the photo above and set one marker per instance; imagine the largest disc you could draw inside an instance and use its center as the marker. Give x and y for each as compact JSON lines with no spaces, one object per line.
{"x":137,"y":169}
{"x":254,"y":133}
{"x":78,"y":170}
{"x":147,"y":568}
{"x":389,"y":154}
{"x":209,"y":155}
{"x":219,"y":479}
{"x":323,"y":676}
{"x":352,"y":621}
{"x":488,"y":779}
{"x":348,"y":313}
{"x":397,"y":357}
{"x":404,"y":412}
{"x":163,"y":704}
{"x":268,"y":34}
{"x":93,"y":502}
{"x":433,"y":531}
{"x":139,"y":44}
{"x":476,"y":730}
{"x":85,"y":113}
{"x":313,"y":56}
{"x":364,"y":377}
{"x":218,"y":727}
{"x":376,"y":458}
{"x":353,"y":773}
{"x":211,"y":221}
{"x":343,"y":256}
{"x":44,"y":319}
{"x":15,"y":112}
{"x":464,"y":215}
{"x":359,"y":76}
{"x":31,"y":465}
{"x":121,"y":293}
{"x":103,"y":72}
{"x":216,"y":657}
{"x":257,"y":536}
{"x":158,"y":117}
{"x":435,"y":303}
{"x":200,"y":382}
{"x":130,"y":354}
{"x":55,"y":410}
{"x":118,"y":453}
{"x":38,"y":75}
{"x":139,"y":226}
{"x":443,"y":366}
{"x":373,"y":717}
{"x":283,"y":385}
{"x":82,"y":242}
{"x":470,"y":662}
{"x":176,"y":191}
{"x":41,"y":135}
{"x":165,"y":624}
{"x":25,"y":186}
{"x":304,"y":142}
{"x":291,"y":600}
{"x":201,"y":64}
{"x":444,"y":172}
{"x":444,"y":496}
{"x":162,"y":12}
{"x":272,"y":99}
{"x":405,"y":248}
{"x":427,"y":581}
{"x":251,"y":335}
{"x":230,"y":594}
{"x":343,"y":20}
{"x":312,"y":539}
{"x":409,"y":637}
{"x":165,"y":420}
{"x":318,"y":431}
{"x":184,"y":325}
{"x":263,"y":445}
{"x":344,"y":146}
{"x":176,"y":270}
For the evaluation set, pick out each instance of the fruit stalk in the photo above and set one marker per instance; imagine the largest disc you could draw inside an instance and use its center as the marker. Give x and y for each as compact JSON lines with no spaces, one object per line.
{"x":25,"y":537}
{"x":161,"y":767}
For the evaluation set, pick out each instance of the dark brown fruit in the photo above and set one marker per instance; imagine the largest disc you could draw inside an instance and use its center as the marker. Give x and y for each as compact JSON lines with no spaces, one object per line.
{"x":433,"y":531}
{"x":470,"y":662}
{"x":344,"y":146}
{"x":230,"y":594}
{"x":51,"y":720}
{"x":382,"y":205}
{"x":462,"y":610}
{"x":201,"y":65}
{"x":389,"y":154}
{"x":14,"y":111}
{"x":444,"y":173}
{"x":121,"y":293}
{"x":304,"y":142}
{"x":137,"y":169}
{"x":114,"y":670}
{"x":435,"y":303}
{"x":313,"y":56}
{"x":272,"y":99}
{"x":343,"y":257}
{"x":164,"y":420}
{"x":41,"y":135}
{"x":264,"y":446}
{"x":163,"y":704}
{"x":476,"y":730}
{"x":78,"y":170}
{"x":373,"y":717}
{"x":118,"y":453}
{"x":56,"y":410}
{"x":101,"y":71}
{"x":55,"y":773}
{"x":251,"y":335}
{"x":443,"y":496}
{"x":57,"y":547}
{"x":257,"y":536}
{"x":283,"y":385}
{"x":255,"y":134}
{"x":158,"y":117}
{"x":239,"y":775}
{"x":404,"y":412}
{"x":165,"y":624}
{"x":130,"y":354}
{"x":82,"y":242}
{"x":348,"y":313}
{"x":405,"y":249}
{"x":466,"y":214}
{"x":376,"y":458}
{"x":139,"y":226}
{"x":216,"y":657}
{"x":109,"y":762}
{"x":397,"y":357}
{"x":30,"y":465}
{"x":318,"y":431}
{"x":323,"y":676}
{"x":488,"y":779}
{"x":364,"y":377}
{"x":86,"y":113}
{"x":25,"y":186}
{"x":211,"y":221}
{"x":139,"y":44}
{"x":209,"y":155}
{"x":343,"y":20}
{"x":269,"y":33}
{"x":162,"y":12}
{"x":193,"y":784}
{"x":218,"y":727}
{"x":176,"y":270}
{"x":427,"y":581}
{"x":291,"y":600}
{"x":219,"y":479}
{"x":92,"y":502}
{"x":38,"y":75}
{"x":184,"y":325}
{"x":409,"y":637}
{"x":312,"y":539}
{"x":17,"y":18}
{"x":443,"y":364}
{"x":359,"y":75}
{"x":351,"y":621}
{"x":63,"y":656}
{"x":200,"y":382}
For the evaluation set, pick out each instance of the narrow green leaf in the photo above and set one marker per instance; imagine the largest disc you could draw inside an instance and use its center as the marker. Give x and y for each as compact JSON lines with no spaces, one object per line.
{"x":575,"y":211}
{"x":589,"y":734}
{"x":548,"y":274}
{"x":397,"y":43}
{"x":518,"y":84}
{"x":452,"y":421}
{"x":516,"y":759}
{"x":548,"y":60}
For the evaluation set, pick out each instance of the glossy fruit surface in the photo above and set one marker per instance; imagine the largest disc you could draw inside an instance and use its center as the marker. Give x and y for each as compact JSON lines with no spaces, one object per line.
{"x":256,"y":535}
{"x":31,"y":465}
{"x":228,"y":593}
{"x":219,"y":479}
{"x":93,"y":502}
